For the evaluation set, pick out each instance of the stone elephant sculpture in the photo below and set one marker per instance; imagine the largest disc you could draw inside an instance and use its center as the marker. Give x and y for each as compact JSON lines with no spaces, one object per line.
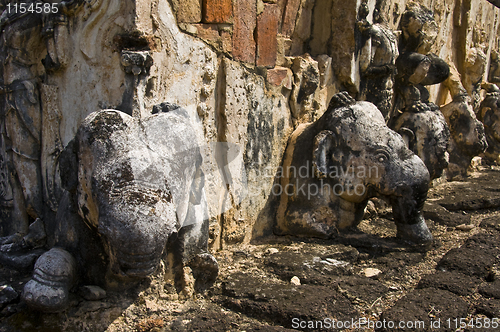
{"x":467,"y":133}
{"x":489,"y":115}
{"x":333,"y":166}
{"x":134,"y":193}
{"x":427,"y":135}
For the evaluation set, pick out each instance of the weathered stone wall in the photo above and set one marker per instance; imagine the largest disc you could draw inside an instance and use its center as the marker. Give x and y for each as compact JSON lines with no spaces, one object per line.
{"x":326,"y":30}
{"x":247,"y":71}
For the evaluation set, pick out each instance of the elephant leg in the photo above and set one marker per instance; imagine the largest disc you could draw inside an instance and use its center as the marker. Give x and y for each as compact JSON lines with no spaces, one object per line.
{"x":410,"y":222}
{"x":190,"y":249}
{"x":53,"y":277}
{"x":417,"y":233}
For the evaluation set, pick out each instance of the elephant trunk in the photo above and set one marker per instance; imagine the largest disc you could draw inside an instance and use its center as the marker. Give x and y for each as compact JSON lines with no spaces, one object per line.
{"x":407,"y":205}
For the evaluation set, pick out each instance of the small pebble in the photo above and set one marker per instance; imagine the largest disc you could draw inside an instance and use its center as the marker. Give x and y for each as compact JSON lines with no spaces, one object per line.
{"x":465,"y":228}
{"x":272,"y":251}
{"x":370,"y":272}
{"x":92,"y":293}
{"x":295,"y":281}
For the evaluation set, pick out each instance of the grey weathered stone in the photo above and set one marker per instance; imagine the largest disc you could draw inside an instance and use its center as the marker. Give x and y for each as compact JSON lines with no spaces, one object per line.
{"x":419,"y":29}
{"x":31,"y":45}
{"x":494,"y":72}
{"x":332,"y":166}
{"x":467,"y":135}
{"x":21,"y":260}
{"x":36,"y":235}
{"x":428,"y":132}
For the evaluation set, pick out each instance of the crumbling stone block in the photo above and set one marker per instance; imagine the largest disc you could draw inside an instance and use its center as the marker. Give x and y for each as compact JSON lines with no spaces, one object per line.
{"x":280,"y":76}
{"x":189,"y":11}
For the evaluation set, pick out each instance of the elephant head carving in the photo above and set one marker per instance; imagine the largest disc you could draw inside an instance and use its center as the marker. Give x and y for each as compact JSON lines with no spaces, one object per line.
{"x":426,"y":134}
{"x":135,"y":190}
{"x":467,"y":133}
{"x":334,"y":165}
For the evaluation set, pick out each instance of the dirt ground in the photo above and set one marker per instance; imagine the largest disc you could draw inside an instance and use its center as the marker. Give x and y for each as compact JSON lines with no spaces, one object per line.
{"x":363,"y":280}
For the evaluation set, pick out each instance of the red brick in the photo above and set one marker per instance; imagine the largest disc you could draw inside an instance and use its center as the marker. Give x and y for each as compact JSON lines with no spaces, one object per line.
{"x":290,"y":16}
{"x":280,"y":76}
{"x":267,"y":36}
{"x":217,"y":11}
{"x":244,"y":12}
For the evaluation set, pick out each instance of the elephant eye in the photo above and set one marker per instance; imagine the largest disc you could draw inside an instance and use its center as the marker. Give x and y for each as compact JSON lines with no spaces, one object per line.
{"x":382,"y":156}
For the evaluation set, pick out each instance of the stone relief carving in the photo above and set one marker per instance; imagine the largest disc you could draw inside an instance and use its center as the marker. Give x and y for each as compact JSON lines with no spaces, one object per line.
{"x":426,"y":134}
{"x":30,"y":111}
{"x":22,"y":44}
{"x":334,"y":165}
{"x":418,"y":68}
{"x":98,"y":16}
{"x":133,"y":185}
{"x":136,"y":65}
{"x":93,"y":222}
{"x":377,"y":61}
{"x":116,"y":233}
{"x":418,"y":29}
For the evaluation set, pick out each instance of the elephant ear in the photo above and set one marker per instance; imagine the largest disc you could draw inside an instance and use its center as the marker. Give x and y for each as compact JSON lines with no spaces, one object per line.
{"x":325,"y":154}
{"x":408,"y":137}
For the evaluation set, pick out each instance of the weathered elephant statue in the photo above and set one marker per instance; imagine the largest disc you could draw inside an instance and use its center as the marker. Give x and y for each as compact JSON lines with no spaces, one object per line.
{"x":427,"y":135}
{"x":467,"y":133}
{"x":419,"y":120}
{"x":489,"y":114}
{"x":134,"y":192}
{"x":334,"y":165}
